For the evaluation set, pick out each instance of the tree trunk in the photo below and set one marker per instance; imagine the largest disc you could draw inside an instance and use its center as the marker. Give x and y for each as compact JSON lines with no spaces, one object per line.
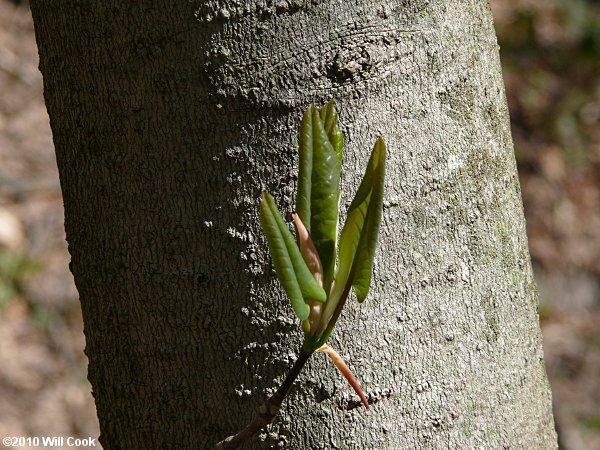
{"x":170,"y":118}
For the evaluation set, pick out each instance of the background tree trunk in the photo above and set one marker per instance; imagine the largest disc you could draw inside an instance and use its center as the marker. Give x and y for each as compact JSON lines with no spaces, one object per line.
{"x":169,"y":121}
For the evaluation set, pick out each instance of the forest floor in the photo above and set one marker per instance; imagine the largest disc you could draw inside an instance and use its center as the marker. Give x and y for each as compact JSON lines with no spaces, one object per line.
{"x":43,"y":385}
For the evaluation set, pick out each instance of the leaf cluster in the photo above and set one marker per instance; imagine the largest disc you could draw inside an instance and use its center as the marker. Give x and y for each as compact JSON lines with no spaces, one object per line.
{"x":316,"y":271}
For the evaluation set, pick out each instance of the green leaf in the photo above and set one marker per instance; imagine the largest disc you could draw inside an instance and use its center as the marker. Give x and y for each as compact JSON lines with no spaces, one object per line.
{"x":291,"y":270}
{"x":319,"y":183}
{"x":329,"y":117}
{"x":305,"y":163}
{"x":359,"y":235}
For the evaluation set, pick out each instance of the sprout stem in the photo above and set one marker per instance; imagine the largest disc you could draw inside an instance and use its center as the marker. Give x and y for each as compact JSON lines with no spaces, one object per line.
{"x":268,"y":411}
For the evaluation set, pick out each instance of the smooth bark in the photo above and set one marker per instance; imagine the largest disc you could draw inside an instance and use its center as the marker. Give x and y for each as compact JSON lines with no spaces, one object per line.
{"x":170,"y":118}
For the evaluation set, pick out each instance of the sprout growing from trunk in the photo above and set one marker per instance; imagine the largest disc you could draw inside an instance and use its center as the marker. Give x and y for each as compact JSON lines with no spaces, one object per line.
{"x":317,"y":272}
{"x":319,"y":261}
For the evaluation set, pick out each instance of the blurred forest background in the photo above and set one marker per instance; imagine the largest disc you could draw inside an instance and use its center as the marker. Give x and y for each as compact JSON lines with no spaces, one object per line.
{"x":551,"y":56}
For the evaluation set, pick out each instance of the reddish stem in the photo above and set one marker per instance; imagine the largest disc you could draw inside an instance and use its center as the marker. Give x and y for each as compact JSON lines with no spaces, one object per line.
{"x":343,"y":367}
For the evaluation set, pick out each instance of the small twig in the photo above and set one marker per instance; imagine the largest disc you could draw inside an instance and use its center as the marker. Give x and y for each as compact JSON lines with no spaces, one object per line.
{"x":268,"y":411}
{"x":342,"y":366}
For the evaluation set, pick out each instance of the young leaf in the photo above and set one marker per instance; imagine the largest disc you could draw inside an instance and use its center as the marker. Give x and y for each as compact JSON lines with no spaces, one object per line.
{"x":359,"y":235}
{"x":291,"y":270}
{"x":305,"y":163}
{"x":329,"y":117}
{"x":345,"y":370}
{"x":318,"y":184}
{"x":308,"y":250}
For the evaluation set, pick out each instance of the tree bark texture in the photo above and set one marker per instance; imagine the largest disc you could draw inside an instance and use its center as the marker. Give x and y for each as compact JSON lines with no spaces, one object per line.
{"x":170,"y":118}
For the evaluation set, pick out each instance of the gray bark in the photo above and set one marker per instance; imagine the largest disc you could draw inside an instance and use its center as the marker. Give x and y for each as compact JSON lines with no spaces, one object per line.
{"x":169,"y":121}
